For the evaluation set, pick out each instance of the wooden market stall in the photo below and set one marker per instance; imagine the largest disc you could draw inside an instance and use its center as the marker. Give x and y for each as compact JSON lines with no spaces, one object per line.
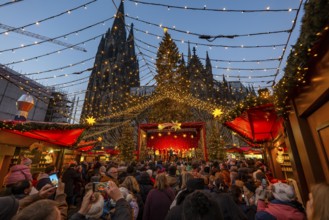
{"x":302,"y":97}
{"x":307,"y":124}
{"x":44,"y":143}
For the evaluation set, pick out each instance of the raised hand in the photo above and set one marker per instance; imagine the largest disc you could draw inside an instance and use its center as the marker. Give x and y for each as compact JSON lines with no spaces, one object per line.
{"x":47,"y":190}
{"x":113,"y":191}
{"x":86,"y":202}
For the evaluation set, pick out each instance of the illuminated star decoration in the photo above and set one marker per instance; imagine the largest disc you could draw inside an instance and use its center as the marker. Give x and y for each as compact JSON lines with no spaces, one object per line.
{"x":164,"y":125}
{"x":99,"y":139}
{"x":217,"y":112}
{"x":176,"y":126}
{"x":91,"y":120}
{"x":161,"y":127}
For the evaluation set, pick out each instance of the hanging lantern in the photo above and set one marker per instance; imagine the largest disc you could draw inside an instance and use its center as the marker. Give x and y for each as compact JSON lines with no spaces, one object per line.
{"x":24,"y":104}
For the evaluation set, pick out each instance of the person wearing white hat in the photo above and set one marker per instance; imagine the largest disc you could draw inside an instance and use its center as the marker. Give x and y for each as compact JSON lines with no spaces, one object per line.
{"x":284,"y":206}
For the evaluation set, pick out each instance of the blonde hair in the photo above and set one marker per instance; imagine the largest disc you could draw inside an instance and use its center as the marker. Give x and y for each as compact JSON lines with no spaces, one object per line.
{"x":161,"y":182}
{"x":131,"y":184}
{"x":186,"y":177}
{"x":320,"y":193}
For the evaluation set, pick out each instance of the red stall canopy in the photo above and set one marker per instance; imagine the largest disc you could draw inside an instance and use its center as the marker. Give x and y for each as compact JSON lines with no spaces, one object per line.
{"x":257,"y":124}
{"x":86,"y":145}
{"x":26,"y":133}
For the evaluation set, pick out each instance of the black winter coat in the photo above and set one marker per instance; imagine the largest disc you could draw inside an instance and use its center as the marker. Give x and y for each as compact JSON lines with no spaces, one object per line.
{"x":70,"y":176}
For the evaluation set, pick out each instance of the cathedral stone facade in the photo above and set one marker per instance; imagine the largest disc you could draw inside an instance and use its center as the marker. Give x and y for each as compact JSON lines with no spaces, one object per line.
{"x":116,"y":74}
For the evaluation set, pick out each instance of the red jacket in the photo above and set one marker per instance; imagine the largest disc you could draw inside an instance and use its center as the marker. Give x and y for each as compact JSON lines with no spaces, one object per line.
{"x":280,"y":210}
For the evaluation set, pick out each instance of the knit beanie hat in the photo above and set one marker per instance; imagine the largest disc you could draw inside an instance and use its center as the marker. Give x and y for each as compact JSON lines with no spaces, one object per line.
{"x":26,"y":161}
{"x":96,"y":209}
{"x":17,"y":173}
{"x":8,"y":207}
{"x":283,"y":192}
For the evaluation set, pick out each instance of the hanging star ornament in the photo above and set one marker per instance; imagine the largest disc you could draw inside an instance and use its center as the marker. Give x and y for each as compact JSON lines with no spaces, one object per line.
{"x":176,"y":126}
{"x":91,"y":120}
{"x":217,"y":112}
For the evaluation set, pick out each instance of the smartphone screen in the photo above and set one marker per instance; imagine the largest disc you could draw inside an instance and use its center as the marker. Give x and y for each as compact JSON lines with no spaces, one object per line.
{"x":99,"y":186}
{"x":54,"y":179}
{"x":264,"y":183}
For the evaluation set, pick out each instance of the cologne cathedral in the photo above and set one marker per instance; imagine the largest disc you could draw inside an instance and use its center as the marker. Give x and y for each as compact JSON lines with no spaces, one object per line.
{"x":115,"y":77}
{"x":115,"y":71}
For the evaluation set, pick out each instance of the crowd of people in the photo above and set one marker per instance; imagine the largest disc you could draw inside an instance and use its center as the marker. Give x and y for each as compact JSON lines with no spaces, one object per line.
{"x":156,"y":190}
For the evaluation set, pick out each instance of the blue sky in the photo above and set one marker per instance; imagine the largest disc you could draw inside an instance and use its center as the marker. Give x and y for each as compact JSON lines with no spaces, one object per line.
{"x":194,"y":21}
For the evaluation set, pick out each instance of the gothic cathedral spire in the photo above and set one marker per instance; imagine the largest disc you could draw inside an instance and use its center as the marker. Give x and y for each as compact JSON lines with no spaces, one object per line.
{"x":115,"y":71}
{"x":188,"y":53}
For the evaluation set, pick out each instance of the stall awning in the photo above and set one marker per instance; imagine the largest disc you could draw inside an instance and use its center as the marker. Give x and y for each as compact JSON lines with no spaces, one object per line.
{"x":26,"y":133}
{"x":257,"y":124}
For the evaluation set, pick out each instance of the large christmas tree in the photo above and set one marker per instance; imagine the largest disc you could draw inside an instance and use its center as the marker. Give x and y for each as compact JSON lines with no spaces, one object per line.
{"x":126,"y":143}
{"x":171,"y":77}
{"x":167,"y":63}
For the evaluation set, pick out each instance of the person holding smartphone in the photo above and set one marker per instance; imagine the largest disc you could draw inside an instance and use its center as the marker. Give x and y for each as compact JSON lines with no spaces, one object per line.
{"x":122,"y":207}
{"x":43,"y":177}
{"x":37,"y":206}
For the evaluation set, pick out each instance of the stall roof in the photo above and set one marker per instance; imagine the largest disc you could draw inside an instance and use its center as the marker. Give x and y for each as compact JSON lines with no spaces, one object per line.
{"x":258,"y":124}
{"x":25,"y":133}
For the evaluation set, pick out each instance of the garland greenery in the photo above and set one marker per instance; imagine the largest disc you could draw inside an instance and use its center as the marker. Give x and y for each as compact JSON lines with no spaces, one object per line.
{"x":249,"y":102}
{"x":28,"y":126}
{"x":315,"y":25}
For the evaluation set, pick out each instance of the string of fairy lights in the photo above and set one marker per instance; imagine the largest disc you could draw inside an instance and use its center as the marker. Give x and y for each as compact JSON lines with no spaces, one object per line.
{"x":218,"y":36}
{"x":211,"y":59}
{"x":222,"y":60}
{"x":206,"y":45}
{"x":45,"y":19}
{"x":150,"y":59}
{"x":83,"y":61}
{"x":287,"y":42}
{"x":22,"y":46}
{"x":216,"y":60}
{"x":61,"y":68}
{"x":69,"y":11}
{"x":35,"y":58}
{"x":10,"y":3}
{"x":206,"y":9}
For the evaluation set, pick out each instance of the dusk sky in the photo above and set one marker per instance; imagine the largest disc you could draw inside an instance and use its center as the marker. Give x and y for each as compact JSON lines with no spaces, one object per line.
{"x":55,"y":68}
